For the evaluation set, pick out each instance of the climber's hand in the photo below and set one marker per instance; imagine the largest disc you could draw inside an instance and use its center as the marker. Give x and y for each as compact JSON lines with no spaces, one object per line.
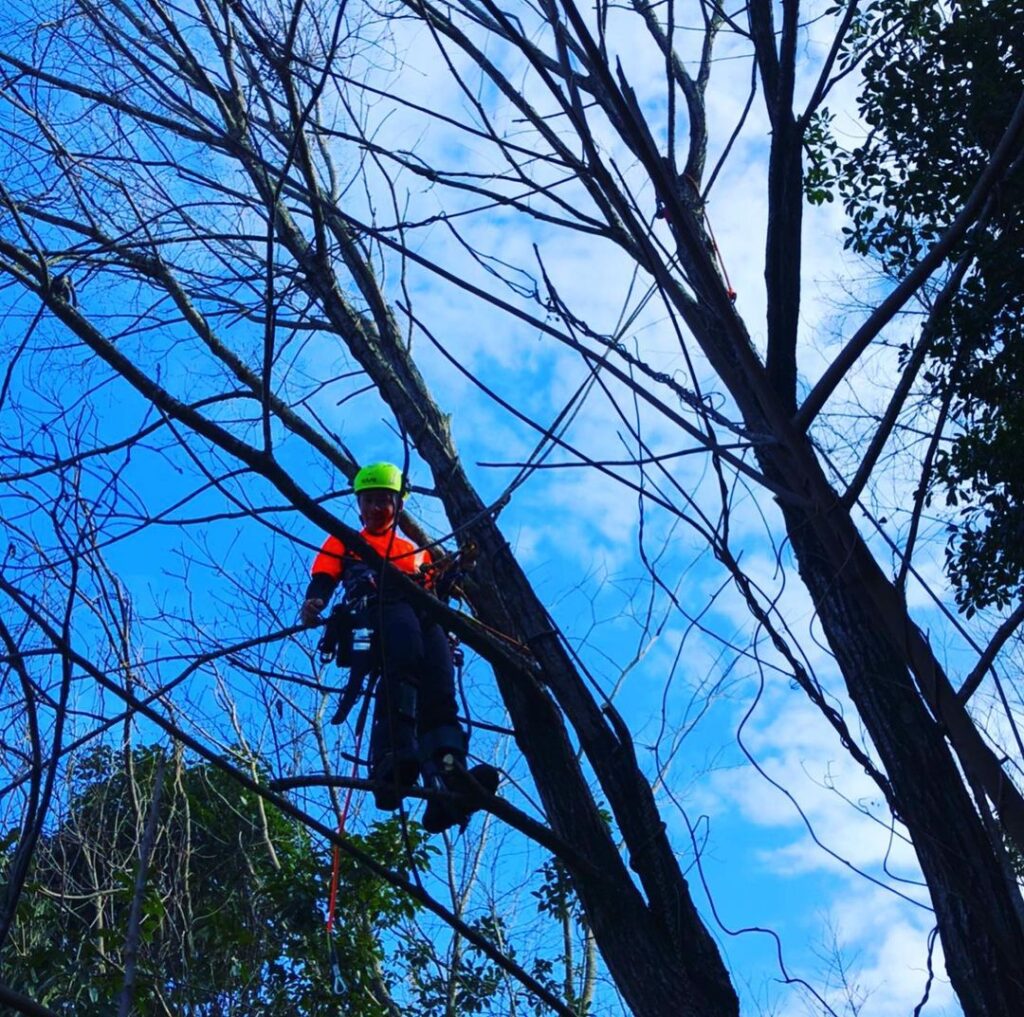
{"x":309,"y":613}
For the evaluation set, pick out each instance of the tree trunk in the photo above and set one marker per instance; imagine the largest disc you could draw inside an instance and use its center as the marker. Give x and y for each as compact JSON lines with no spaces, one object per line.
{"x":977,"y":917}
{"x":889,"y":669}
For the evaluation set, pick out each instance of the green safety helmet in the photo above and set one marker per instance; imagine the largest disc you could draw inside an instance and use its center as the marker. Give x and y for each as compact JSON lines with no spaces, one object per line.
{"x":379,"y":477}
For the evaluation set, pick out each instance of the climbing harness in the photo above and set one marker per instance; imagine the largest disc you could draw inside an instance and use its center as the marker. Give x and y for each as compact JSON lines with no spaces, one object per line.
{"x":348,"y":641}
{"x":348,"y":635}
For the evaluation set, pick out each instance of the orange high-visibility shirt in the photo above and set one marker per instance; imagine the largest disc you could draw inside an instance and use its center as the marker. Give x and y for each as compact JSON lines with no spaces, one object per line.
{"x":403,"y":554}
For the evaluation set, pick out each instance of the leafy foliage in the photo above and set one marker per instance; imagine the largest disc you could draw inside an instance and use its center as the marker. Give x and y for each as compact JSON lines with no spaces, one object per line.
{"x":941,"y":82}
{"x":557,"y":899}
{"x":231,"y":917}
{"x":472,"y":982}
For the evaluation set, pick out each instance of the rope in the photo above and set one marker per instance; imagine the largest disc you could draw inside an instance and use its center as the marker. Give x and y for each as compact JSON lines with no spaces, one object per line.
{"x":336,"y":853}
{"x":501,"y":635}
{"x":711,"y":236}
{"x":662,"y":213}
{"x":718,"y":254}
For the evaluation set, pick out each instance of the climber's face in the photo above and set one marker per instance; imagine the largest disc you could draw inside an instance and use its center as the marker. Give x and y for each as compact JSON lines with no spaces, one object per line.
{"x":378,"y":510}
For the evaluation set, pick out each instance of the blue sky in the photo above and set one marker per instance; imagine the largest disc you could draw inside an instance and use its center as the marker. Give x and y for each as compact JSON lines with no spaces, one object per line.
{"x":577,"y":534}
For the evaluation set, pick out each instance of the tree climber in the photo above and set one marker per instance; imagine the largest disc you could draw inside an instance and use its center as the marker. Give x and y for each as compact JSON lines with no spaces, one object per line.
{"x":415,"y":730}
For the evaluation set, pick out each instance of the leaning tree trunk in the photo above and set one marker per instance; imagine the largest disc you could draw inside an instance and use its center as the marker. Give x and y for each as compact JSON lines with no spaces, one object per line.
{"x":662,"y":958}
{"x":978,"y":919}
{"x":903,"y":697}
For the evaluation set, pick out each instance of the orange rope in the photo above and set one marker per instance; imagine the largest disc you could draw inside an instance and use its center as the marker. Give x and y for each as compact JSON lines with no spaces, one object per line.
{"x":662,"y":213}
{"x":336,"y":852}
{"x":721,"y":263}
{"x":501,"y":635}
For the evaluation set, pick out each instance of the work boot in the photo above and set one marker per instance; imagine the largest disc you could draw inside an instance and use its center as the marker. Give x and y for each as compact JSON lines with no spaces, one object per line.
{"x":393,"y":782}
{"x":449,"y":774}
{"x":394,"y":755}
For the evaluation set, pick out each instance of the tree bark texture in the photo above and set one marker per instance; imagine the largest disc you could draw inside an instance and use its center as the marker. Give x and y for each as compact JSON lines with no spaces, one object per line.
{"x":977,"y":918}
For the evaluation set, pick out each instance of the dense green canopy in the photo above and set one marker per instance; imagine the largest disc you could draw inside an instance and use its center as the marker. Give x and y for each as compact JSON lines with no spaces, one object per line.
{"x":938,"y":95}
{"x":232,"y":913}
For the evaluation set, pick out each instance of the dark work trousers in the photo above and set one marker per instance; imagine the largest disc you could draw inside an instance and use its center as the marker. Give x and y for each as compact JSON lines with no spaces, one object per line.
{"x":415,"y":719}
